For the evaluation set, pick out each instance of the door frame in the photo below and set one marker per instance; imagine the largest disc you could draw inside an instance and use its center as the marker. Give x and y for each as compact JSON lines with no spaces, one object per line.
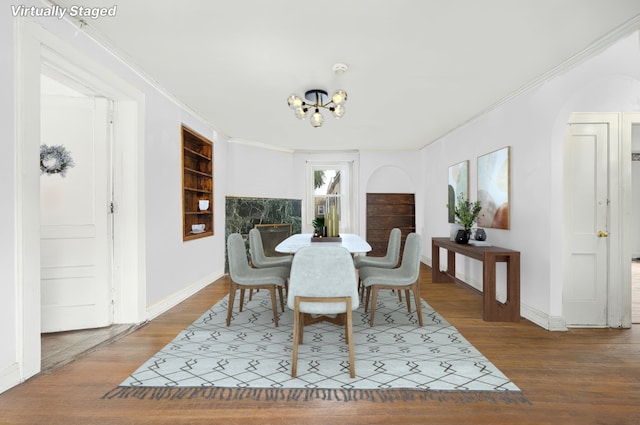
{"x":619,"y":181}
{"x":629,"y":119}
{"x":34,"y":45}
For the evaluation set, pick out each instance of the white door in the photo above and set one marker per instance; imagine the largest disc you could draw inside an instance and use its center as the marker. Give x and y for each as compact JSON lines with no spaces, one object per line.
{"x":75,"y":227}
{"x":586,"y":287}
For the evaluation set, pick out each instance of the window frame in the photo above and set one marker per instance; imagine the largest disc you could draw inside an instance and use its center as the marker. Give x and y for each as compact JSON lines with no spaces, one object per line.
{"x":346,"y":188}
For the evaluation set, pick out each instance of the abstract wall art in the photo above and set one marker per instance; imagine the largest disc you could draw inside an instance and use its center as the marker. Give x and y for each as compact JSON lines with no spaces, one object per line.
{"x":458,"y":183}
{"x":493,"y":189}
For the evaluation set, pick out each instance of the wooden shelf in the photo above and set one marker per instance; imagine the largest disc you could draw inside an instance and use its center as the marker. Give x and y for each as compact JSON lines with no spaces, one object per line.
{"x":201,"y":173}
{"x":197,"y":184}
{"x":188,"y":150}
{"x":384,"y":212}
{"x":192,"y":189}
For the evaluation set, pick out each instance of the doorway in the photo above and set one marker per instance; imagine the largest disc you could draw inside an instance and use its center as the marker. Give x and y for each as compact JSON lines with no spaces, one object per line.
{"x":598,"y":220}
{"x":37,"y":49}
{"x":635,"y":224}
{"x":75,"y":224}
{"x":386,"y":211}
{"x":587,"y":220}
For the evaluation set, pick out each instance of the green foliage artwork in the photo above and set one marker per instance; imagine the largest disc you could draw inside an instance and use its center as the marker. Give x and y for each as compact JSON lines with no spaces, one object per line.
{"x":242,"y":214}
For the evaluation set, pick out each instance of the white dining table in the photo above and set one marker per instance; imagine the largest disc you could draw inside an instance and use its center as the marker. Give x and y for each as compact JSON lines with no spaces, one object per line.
{"x":354,"y":243}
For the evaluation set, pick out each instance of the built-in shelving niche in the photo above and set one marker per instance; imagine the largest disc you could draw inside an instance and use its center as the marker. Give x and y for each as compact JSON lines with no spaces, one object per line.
{"x":197,"y":185}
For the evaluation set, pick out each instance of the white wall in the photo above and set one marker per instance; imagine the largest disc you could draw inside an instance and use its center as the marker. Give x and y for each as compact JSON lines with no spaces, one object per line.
{"x":533,"y":125}
{"x":253,"y":171}
{"x":171,"y":263}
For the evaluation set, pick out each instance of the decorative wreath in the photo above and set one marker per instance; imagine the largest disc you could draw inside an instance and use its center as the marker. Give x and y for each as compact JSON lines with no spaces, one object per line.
{"x":55,"y":160}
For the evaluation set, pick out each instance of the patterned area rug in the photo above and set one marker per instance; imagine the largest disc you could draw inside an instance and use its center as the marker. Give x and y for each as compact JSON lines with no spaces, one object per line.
{"x":251,"y":359}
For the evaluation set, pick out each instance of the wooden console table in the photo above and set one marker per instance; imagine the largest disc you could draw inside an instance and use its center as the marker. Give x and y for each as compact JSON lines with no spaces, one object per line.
{"x":493,"y":310}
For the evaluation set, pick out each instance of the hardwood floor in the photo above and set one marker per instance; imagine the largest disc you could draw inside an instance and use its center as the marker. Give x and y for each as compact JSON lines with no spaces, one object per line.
{"x":60,"y":348}
{"x":583,"y":376}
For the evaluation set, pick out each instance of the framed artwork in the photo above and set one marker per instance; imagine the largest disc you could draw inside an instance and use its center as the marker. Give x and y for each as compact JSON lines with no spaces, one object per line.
{"x":458,"y":183}
{"x":493,"y":189}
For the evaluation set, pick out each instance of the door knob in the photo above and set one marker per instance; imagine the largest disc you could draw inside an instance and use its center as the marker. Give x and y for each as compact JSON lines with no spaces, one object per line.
{"x":602,"y":234}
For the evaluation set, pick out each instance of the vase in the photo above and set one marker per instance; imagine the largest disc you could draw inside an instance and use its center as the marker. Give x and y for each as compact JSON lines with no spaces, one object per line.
{"x":453,"y":231}
{"x":463,"y":236}
{"x":333,"y":227}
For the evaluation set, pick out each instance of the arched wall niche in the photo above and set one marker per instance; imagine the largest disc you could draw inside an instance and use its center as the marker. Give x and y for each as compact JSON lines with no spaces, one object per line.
{"x":390,"y":179}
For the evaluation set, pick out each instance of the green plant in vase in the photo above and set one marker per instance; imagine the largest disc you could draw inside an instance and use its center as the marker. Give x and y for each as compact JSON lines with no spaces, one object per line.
{"x":466,"y":213}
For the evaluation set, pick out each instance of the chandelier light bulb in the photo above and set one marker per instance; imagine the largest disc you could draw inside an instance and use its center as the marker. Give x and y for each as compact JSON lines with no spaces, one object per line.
{"x":338,"y":111}
{"x":317,"y":119}
{"x":295,"y":101}
{"x":301,"y":113}
{"x":339,"y":97}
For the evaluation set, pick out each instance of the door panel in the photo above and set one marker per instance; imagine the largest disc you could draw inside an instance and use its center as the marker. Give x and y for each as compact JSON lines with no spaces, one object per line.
{"x":384,"y":212}
{"x":75,"y":235}
{"x":586,"y":288}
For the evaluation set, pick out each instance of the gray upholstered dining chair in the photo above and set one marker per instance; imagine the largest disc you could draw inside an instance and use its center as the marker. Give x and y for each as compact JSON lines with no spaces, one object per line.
{"x":406,"y":277}
{"x":322,"y":282}
{"x":242,"y":277}
{"x":259,"y":259}
{"x":390,"y":260}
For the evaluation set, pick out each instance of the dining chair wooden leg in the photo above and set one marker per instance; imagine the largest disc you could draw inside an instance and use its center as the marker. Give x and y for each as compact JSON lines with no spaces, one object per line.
{"x":296,"y":336}
{"x":349,"y":338}
{"x":374,"y":299}
{"x":346,"y":326}
{"x":232,"y":296}
{"x":241,"y":299}
{"x":366,"y":302}
{"x":281,"y":298}
{"x":406,"y":295}
{"x":416,"y":294}
{"x":301,"y":328}
{"x":274,"y":304}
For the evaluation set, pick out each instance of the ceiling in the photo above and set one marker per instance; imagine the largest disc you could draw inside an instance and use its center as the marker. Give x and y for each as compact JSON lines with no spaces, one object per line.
{"x":417,"y":68}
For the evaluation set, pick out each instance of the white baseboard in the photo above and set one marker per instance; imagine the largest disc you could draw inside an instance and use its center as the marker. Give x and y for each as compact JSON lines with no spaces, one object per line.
{"x":10,"y":377}
{"x":544,"y":320}
{"x":176,"y":298}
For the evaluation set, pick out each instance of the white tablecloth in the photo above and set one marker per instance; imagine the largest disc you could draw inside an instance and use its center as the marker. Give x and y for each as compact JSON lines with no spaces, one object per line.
{"x":354,"y":243}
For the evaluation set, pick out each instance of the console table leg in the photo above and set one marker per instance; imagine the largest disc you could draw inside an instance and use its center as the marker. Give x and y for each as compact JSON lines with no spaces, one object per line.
{"x":513,"y":288}
{"x":436,"y":274}
{"x":489,"y":303}
{"x":493,"y":310}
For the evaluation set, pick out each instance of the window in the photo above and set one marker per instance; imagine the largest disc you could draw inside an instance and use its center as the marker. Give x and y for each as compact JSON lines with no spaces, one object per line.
{"x":329,"y":184}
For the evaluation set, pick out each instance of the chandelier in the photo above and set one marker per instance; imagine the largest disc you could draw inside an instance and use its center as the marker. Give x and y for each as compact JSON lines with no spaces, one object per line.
{"x":316,"y":99}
